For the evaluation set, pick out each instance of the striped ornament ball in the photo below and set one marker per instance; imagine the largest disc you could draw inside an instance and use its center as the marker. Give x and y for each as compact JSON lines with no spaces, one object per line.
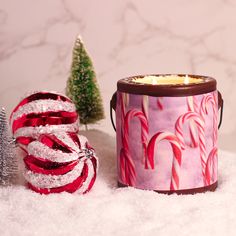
{"x":42,"y":113}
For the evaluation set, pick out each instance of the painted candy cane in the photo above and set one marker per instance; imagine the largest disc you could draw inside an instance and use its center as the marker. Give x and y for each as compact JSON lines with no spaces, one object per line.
{"x":159,"y":103}
{"x":144,"y":130}
{"x":127,"y":170}
{"x":177,"y":153}
{"x":122,"y":106}
{"x":126,"y":162}
{"x":122,"y":153}
{"x":124,"y":103}
{"x":193,"y":106}
{"x":145,"y":104}
{"x":144,"y":127}
{"x":211,"y":167}
{"x":201,"y":133}
{"x":209,"y":98}
{"x":126,"y":99}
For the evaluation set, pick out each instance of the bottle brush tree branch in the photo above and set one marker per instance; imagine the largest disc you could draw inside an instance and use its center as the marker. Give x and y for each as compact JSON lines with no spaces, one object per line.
{"x":8,"y":162}
{"x":82,"y":86}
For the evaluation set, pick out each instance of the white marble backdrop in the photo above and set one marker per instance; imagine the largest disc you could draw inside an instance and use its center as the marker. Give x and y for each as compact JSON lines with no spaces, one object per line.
{"x":124,"y":38}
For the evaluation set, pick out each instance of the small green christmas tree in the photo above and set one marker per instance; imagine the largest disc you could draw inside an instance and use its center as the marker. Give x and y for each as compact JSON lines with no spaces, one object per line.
{"x":8,"y":162}
{"x":82,"y":86}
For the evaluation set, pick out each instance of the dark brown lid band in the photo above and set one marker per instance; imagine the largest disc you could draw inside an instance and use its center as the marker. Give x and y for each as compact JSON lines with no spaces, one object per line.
{"x":179,"y":90}
{"x":211,"y":187}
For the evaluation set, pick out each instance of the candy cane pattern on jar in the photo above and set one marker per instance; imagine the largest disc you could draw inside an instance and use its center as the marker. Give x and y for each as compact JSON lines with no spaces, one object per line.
{"x":160,"y":103}
{"x":127,"y":168}
{"x":127,"y":171}
{"x":211,"y":167}
{"x":144,"y":131}
{"x":177,"y":155}
{"x":201,"y":133}
{"x":124,"y":103}
{"x":145,"y":106}
{"x":122,"y":106}
{"x":192,"y":105}
{"x":209,"y":98}
{"x":123,"y":157}
{"x":126,"y":99}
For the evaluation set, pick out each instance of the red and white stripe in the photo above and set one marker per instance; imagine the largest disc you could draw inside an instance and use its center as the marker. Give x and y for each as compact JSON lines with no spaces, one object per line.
{"x":122,"y":111}
{"x":134,"y":113}
{"x":145,"y":105}
{"x":92,"y":164}
{"x":201,"y":133}
{"x":42,"y":112}
{"x":211,"y":167}
{"x":193,"y":106}
{"x":80,"y":179}
{"x":42,"y":106}
{"x":57,"y":147}
{"x":177,"y":155}
{"x":160,"y":103}
{"x":145,"y":108}
{"x":122,"y":120}
{"x":127,"y":168}
{"x":60,"y":162}
{"x":209,"y":98}
{"x":85,"y":171}
{"x":53,"y":181}
{"x":26,"y":135}
{"x":127,"y":171}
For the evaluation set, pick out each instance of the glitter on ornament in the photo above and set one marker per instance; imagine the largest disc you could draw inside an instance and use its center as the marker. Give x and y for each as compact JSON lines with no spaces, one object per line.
{"x":42,"y":151}
{"x":40,"y":113}
{"x":60,"y":161}
{"x":53,"y":181}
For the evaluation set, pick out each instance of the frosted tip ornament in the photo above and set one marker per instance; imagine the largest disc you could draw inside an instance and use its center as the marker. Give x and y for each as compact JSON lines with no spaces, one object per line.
{"x":41,"y":113}
{"x":59,"y":162}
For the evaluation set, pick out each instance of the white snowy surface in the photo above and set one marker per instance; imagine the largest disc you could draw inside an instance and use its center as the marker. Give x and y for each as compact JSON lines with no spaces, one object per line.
{"x":108,"y":210}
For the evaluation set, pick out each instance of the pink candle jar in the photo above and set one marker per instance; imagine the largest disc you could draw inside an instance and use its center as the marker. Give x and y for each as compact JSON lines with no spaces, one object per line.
{"x":166,"y":132}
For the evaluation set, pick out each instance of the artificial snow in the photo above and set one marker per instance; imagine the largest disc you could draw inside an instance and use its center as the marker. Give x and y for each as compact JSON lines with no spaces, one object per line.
{"x":108,"y":210}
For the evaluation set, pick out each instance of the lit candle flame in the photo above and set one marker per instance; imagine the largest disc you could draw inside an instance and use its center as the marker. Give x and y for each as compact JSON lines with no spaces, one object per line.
{"x":186,"y":79}
{"x":168,"y":80}
{"x":154,"y":80}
